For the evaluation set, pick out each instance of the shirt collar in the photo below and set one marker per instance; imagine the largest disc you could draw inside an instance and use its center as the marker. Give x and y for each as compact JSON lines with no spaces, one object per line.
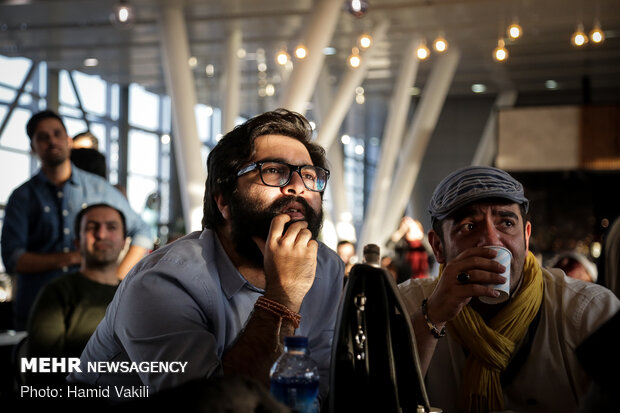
{"x":231,"y":279}
{"x":73,"y":179}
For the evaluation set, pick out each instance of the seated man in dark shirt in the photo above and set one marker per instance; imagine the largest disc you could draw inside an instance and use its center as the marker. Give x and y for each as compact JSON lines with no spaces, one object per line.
{"x":69,"y":308}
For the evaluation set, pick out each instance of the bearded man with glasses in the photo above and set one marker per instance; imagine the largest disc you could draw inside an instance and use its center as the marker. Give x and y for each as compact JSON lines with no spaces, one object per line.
{"x":224,"y":299}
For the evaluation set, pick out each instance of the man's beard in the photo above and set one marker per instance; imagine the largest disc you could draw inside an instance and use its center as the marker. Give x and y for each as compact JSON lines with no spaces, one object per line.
{"x":251,"y":219}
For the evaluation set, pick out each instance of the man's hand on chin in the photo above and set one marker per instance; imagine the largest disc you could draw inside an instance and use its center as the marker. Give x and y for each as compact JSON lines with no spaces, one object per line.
{"x":290,"y":256}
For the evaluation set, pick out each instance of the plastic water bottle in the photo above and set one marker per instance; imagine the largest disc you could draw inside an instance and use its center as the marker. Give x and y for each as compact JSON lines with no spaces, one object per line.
{"x":295,"y":377}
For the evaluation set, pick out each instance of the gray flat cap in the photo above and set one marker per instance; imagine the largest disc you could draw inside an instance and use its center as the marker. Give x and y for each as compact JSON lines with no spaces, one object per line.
{"x":474,"y":183}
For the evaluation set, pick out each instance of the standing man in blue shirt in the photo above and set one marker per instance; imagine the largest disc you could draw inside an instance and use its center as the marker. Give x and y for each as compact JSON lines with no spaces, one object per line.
{"x":221,"y":300}
{"x":37,"y":234}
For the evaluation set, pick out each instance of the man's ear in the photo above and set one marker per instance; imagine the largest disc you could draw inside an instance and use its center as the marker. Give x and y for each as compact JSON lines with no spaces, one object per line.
{"x":222,"y":205}
{"x":435,"y":240}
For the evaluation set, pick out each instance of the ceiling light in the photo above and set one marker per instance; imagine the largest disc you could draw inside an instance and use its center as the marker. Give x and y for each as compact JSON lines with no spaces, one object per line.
{"x":440,"y":44}
{"x":365,"y":41}
{"x":192,"y":61}
{"x":500,"y":53}
{"x":345,"y":139}
{"x":355,"y":60}
{"x":422,"y":52}
{"x":551,"y":84}
{"x":597,"y":35}
{"x":514,"y":31}
{"x":414,"y":91}
{"x":91,"y":62}
{"x":241,"y":53}
{"x":357,"y":8}
{"x":329,"y":51}
{"x":210,"y":70}
{"x":579,"y":38}
{"x":123,"y":14}
{"x":301,"y":51}
{"x":360,"y":99}
{"x":282,"y":57}
{"x":478,"y":88}
{"x":359,"y":90}
{"x":270,"y":89}
{"x":262,"y":67}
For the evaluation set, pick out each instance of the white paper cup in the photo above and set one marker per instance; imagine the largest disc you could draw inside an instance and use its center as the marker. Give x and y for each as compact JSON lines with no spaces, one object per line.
{"x":504,"y":257}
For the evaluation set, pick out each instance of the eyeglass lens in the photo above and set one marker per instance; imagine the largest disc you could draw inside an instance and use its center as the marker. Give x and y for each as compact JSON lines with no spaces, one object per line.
{"x":279,"y":174}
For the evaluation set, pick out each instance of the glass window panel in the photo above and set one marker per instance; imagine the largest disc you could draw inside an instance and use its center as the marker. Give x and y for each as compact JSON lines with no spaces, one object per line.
{"x":42,"y":77}
{"x":99,"y":130}
{"x":143,"y":152}
{"x":25,"y":99}
{"x":204,"y":153}
{"x":217,"y":123}
{"x":14,"y":135}
{"x":7,"y":94}
{"x":113,"y":161}
{"x":74,"y":126}
{"x":65,"y":89}
{"x":165,"y":203}
{"x":138,"y":190}
{"x":203,"y":117}
{"x":92,"y":90}
{"x":143,"y":108}
{"x":69,"y":111}
{"x":19,"y":165}
{"x":166,"y":114}
{"x":14,"y":70}
{"x":114,"y":101}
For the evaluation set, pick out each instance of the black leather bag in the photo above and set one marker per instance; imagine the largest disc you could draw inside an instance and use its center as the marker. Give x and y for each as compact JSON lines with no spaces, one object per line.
{"x":375,"y":365}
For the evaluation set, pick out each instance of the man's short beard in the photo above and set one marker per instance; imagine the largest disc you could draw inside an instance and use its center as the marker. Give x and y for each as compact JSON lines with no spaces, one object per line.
{"x":251,"y":219}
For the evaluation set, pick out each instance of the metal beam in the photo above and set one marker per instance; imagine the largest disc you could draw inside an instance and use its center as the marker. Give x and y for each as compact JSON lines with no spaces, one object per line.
{"x":18,"y":94}
{"x":321,"y":28}
{"x":180,"y":85}
{"x":232,"y":79}
{"x":78,"y":98}
{"x":424,"y":122}
{"x":390,"y":144}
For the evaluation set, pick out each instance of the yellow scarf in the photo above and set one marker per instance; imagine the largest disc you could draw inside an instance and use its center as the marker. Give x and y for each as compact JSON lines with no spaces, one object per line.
{"x":491,"y":347}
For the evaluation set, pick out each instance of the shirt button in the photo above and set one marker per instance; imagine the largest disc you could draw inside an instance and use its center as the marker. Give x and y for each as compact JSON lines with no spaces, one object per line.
{"x":67,"y":231}
{"x":46,"y":208}
{"x":65,"y":249}
{"x":59,"y":194}
{"x":65,"y":269}
{"x":84,"y":205}
{"x":65,"y":213}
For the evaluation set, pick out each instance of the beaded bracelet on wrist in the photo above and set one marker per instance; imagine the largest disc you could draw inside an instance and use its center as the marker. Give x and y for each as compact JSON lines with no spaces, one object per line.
{"x":278,"y":309}
{"x":431,"y":326}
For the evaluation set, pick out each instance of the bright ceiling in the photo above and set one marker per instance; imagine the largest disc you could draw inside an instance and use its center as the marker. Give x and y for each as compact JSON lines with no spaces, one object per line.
{"x":65,"y":33}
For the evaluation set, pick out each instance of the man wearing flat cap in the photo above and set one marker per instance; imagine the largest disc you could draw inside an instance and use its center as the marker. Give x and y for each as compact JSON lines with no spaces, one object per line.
{"x":516,"y":354}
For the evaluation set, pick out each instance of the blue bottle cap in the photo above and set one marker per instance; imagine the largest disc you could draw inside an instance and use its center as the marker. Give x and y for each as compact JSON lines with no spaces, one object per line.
{"x":296,"y":341}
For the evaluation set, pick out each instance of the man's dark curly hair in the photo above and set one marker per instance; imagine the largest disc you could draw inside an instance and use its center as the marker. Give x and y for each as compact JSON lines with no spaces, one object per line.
{"x":236,"y":148}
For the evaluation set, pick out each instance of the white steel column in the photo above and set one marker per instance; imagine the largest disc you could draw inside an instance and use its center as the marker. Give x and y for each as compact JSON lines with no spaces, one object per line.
{"x":336,"y":192}
{"x":305,"y":73}
{"x":424,"y":122}
{"x":346,"y":92}
{"x":487,"y":147}
{"x":181,"y":88}
{"x":231,"y":84}
{"x":390,"y":144}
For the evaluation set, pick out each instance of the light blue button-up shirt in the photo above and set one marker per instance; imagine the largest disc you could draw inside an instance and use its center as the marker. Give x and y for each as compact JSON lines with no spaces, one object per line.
{"x":39,"y":217}
{"x":187,"y":302}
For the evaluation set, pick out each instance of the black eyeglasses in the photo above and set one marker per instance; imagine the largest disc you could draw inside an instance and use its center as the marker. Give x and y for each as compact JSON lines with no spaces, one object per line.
{"x":276,"y":173}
